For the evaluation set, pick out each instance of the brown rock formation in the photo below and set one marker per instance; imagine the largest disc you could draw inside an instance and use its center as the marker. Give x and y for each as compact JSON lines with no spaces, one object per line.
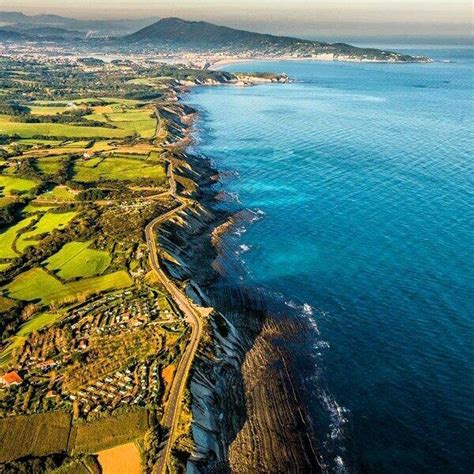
{"x":275,"y":436}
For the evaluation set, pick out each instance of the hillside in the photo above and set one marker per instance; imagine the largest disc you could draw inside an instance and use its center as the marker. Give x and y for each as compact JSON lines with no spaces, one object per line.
{"x":46,"y":32}
{"x":175,"y":33}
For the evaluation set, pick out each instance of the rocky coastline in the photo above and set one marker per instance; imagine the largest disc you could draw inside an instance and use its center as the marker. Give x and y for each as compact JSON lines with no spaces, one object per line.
{"x":247,"y":415}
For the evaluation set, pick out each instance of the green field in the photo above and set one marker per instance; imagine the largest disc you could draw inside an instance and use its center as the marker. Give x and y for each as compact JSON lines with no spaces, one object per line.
{"x":45,"y":110}
{"x":109,"y":432}
{"x":64,"y":102}
{"x":112,"y":168}
{"x":76,"y":259}
{"x":49,"y":222}
{"x":38,"y":284}
{"x":59,"y":193}
{"x":146,"y":81}
{"x":76,"y":144}
{"x":33,"y":209}
{"x":117,"y":100}
{"x":37,"y":322}
{"x":6,"y":356}
{"x":50,"y":165}
{"x":8,"y":237}
{"x":111,"y":281}
{"x":28,"y":130}
{"x":34,"y":435}
{"x":35,"y":141}
{"x":11,"y":183}
{"x":142,"y":122}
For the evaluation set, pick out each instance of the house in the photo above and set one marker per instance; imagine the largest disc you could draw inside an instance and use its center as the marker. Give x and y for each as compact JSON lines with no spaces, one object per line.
{"x":10,"y":378}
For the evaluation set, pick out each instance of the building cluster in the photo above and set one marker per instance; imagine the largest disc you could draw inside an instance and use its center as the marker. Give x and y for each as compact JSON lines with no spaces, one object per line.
{"x":103,"y":354}
{"x":130,"y":386}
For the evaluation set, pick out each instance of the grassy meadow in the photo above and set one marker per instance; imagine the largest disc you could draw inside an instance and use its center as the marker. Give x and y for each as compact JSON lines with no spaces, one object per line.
{"x":47,"y":223}
{"x":29,"y":130}
{"x":9,"y":236}
{"x":11,"y":184}
{"x":117,"y":168}
{"x":76,"y":259}
{"x":39,"y":285}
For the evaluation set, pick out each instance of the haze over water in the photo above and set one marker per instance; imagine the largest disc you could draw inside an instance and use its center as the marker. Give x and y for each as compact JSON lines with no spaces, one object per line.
{"x":364,"y":175}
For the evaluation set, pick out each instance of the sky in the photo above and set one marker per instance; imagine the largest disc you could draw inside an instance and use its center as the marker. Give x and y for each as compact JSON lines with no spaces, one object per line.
{"x":309,"y":18}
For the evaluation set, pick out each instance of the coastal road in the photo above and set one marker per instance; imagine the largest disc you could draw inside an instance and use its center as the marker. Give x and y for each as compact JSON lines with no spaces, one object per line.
{"x":193,"y":318}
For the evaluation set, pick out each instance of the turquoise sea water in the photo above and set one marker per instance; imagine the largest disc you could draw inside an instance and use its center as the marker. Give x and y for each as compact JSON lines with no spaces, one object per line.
{"x":362,"y":175}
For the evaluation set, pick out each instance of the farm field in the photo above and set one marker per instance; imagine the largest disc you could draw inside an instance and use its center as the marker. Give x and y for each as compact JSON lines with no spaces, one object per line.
{"x":38,"y":322}
{"x":124,"y":459}
{"x":109,"y":432}
{"x":45,"y":110}
{"x":37,"y":284}
{"x":49,"y":222}
{"x":142,"y":122}
{"x":32,"y":208}
{"x":34,"y":435}
{"x":76,"y":259}
{"x":59,"y":193}
{"x":39,"y":143}
{"x":8,"y":237}
{"x":29,"y":130}
{"x":6,"y":200}
{"x":117,"y":168}
{"x":50,"y":165}
{"x":10,"y":184}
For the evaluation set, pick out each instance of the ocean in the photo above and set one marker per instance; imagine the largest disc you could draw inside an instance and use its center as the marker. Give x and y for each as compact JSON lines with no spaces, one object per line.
{"x":361,"y":178}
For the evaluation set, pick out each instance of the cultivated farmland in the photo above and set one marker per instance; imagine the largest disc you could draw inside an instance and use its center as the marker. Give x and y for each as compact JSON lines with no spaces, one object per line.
{"x":38,"y":285}
{"x":108,"y":432}
{"x":49,"y":222}
{"x":117,"y":168}
{"x":35,"y":435}
{"x":76,"y":259}
{"x":11,"y":184}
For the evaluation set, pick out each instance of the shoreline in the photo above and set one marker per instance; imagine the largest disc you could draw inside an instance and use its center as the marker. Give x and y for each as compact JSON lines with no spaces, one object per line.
{"x":244,"y":338}
{"x":220,"y":64}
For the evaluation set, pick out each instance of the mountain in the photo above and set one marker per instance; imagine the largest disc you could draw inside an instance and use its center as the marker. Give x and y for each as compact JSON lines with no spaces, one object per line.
{"x":47,"y":32}
{"x":200,"y":36}
{"x":10,"y":18}
{"x":92,"y":27}
{"x":9,"y":35}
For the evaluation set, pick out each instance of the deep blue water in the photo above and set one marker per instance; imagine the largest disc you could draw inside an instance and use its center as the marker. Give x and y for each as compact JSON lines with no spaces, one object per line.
{"x":363,"y":174}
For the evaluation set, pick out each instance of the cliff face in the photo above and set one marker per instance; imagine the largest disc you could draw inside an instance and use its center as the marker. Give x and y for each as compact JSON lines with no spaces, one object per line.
{"x":246,"y":414}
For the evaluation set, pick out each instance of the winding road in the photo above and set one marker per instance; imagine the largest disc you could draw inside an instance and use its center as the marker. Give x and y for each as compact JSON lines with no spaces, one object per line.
{"x":193,"y":318}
